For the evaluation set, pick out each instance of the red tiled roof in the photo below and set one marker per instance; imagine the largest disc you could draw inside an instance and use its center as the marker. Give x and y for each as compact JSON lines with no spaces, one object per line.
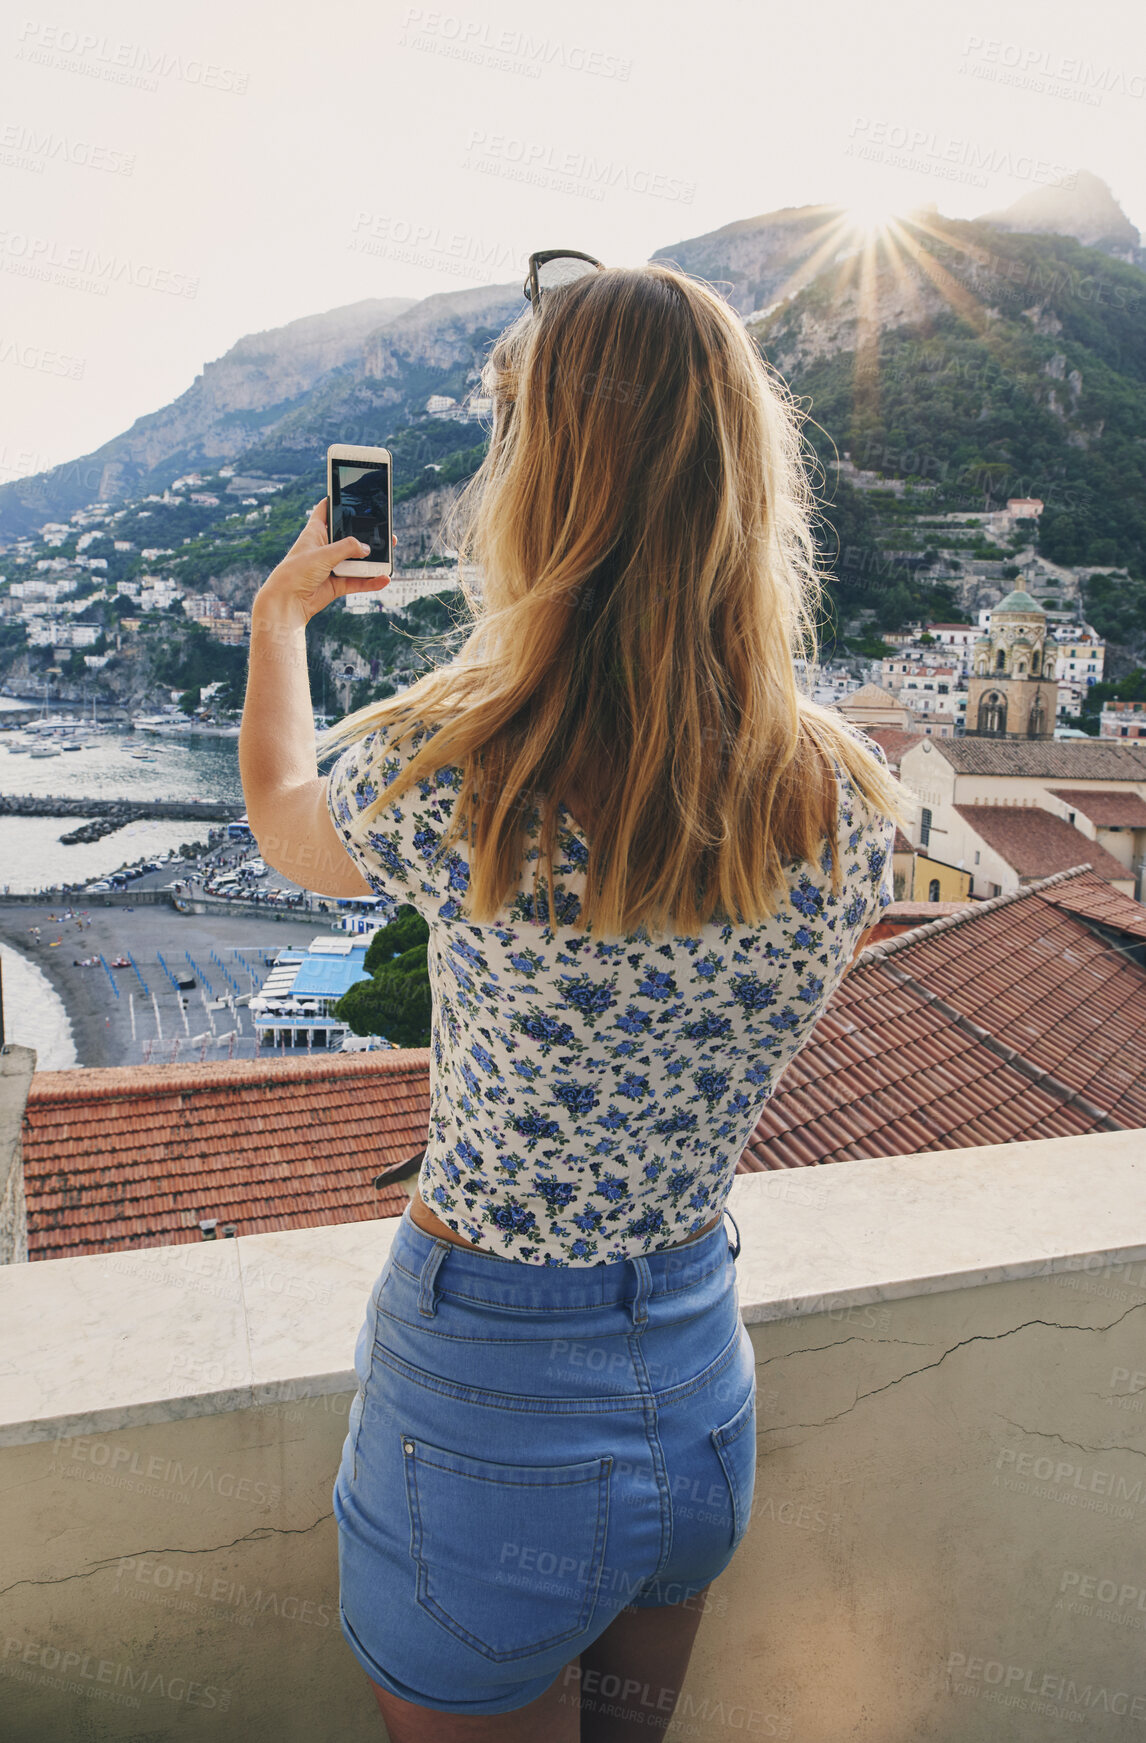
{"x":901,"y":844}
{"x":894,"y":743}
{"x":1045,"y":759}
{"x":1120,"y":810}
{"x":1009,"y":1020}
{"x":1093,"y":899}
{"x":986,"y":1023}
{"x":1035,"y":843}
{"x":137,"y":1156}
{"x":920,"y":913}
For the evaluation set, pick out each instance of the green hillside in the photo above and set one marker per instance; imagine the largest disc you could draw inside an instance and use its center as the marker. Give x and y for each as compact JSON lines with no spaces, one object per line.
{"x":1025,"y":375}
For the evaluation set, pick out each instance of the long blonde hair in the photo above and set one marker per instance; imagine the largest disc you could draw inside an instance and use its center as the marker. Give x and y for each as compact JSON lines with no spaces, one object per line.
{"x":643,"y":524}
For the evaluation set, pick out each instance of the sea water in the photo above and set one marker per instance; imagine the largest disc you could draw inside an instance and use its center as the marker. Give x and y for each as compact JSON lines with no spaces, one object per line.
{"x":34,"y":1014}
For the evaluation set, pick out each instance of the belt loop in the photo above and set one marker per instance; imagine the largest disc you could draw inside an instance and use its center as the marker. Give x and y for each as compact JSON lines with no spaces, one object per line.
{"x":640,"y":1302}
{"x":429,"y":1277}
{"x":734,"y":1250}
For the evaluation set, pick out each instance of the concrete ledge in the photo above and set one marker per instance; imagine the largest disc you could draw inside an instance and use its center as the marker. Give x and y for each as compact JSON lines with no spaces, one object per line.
{"x":163,"y":1333}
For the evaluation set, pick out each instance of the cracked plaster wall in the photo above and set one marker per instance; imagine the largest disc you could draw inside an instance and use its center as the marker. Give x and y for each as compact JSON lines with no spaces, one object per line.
{"x":939,"y":1477}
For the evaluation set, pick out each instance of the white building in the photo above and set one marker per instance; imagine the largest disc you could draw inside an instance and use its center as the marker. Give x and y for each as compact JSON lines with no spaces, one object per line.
{"x":400,"y":590}
{"x":1123,"y":720}
{"x":1079,"y":659}
{"x":204,"y":606}
{"x":51,"y":633}
{"x":1011,"y":811}
{"x":961,"y":636}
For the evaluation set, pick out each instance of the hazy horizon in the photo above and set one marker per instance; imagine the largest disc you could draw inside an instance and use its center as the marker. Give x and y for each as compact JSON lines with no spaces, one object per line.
{"x":237,"y":177}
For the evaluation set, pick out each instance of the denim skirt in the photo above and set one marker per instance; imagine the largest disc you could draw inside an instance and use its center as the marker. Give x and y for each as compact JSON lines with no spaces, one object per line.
{"x":531,"y":1450}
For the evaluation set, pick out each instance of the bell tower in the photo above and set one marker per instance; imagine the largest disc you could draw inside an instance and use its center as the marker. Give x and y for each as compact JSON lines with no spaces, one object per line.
{"x":1013,"y":692}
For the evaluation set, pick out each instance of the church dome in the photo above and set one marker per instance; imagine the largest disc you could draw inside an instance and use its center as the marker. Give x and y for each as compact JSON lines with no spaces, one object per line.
{"x":1019,"y":600}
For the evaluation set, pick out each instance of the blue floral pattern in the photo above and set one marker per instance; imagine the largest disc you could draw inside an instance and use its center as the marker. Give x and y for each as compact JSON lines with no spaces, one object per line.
{"x":590,"y":1099}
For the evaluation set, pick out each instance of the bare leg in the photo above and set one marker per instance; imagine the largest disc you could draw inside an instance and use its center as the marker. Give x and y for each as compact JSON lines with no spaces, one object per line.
{"x":553,"y":1716}
{"x":631,"y":1677}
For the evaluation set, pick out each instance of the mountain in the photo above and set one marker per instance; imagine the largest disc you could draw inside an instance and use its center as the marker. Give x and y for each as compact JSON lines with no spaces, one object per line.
{"x":277,"y":399}
{"x":436,"y":346}
{"x":972,"y":364}
{"x":754,"y":259}
{"x":1086,"y":210}
{"x":1006,"y":356}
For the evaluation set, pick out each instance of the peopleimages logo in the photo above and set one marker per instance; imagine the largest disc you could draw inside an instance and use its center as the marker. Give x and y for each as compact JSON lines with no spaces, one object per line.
{"x":1046,"y":70}
{"x":124,"y":63}
{"x":927,"y":149}
{"x":86,"y":268}
{"x":533,"y":160}
{"x":1013,"y":1681}
{"x":512,"y":50}
{"x":23,"y":147}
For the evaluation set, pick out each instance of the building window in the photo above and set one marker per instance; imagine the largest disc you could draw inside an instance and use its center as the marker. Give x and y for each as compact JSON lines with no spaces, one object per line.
{"x":933,"y":890}
{"x":924,"y":827}
{"x":993,"y":714}
{"x":976,"y":856}
{"x":1001,"y":660}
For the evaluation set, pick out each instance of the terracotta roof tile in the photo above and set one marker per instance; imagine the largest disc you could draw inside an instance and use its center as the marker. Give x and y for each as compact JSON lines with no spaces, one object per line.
{"x":1019,"y":1017}
{"x":893,"y":743}
{"x":1055,"y":759}
{"x":1035,"y":843}
{"x":1104,"y":809}
{"x":137,"y":1156}
{"x":1001,"y":1021}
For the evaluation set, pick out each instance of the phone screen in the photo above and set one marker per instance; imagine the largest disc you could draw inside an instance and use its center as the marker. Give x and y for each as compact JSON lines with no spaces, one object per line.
{"x":360,"y":506}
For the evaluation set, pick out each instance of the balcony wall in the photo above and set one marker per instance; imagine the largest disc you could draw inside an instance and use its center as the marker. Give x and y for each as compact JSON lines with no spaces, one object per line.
{"x":945,"y":1539}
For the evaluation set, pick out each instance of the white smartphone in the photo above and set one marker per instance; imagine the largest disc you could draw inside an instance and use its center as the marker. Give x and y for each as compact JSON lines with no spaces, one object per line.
{"x":360,"y":505}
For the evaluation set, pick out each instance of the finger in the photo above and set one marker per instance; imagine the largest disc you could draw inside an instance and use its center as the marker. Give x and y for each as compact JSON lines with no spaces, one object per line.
{"x":314,"y":532}
{"x":347,"y":551}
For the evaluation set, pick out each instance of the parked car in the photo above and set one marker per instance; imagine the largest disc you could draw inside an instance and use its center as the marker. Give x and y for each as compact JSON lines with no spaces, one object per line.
{"x":93,"y":889}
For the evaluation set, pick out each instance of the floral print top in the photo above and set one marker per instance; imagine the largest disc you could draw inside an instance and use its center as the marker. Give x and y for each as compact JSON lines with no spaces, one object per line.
{"x":590,"y":1099}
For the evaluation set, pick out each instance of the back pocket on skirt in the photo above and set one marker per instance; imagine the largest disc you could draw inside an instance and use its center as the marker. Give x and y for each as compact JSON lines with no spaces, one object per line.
{"x":509,"y":1557}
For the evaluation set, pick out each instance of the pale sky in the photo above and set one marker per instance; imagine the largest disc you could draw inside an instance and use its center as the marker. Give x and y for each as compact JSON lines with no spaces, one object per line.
{"x":237,"y":166}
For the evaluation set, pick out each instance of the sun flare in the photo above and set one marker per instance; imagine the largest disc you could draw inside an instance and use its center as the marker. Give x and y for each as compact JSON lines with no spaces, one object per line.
{"x":870,"y":216}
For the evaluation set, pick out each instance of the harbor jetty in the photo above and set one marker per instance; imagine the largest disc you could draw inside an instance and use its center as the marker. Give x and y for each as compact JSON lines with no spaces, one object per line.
{"x":126,"y":810}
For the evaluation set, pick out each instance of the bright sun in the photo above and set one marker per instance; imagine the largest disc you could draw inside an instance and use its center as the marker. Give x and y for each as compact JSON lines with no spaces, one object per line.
{"x":870,"y":216}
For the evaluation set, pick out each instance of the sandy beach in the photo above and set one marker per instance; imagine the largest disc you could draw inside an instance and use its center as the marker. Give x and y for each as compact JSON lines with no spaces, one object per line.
{"x":102,"y":1023}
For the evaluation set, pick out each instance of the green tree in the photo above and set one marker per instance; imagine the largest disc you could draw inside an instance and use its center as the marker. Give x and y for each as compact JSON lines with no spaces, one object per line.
{"x":396,"y":1002}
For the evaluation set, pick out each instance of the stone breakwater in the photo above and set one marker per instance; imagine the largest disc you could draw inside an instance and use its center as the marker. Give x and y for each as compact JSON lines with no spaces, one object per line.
{"x":123,"y":810}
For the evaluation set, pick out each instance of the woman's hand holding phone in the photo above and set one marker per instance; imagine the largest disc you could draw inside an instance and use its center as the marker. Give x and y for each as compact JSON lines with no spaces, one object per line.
{"x":303,"y":584}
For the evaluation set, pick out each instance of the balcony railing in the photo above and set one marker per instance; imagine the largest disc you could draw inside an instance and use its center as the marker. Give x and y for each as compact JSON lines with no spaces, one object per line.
{"x":945,"y":1541}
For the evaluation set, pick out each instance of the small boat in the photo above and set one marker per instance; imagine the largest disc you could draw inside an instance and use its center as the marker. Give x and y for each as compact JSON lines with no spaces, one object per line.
{"x":17,"y":746}
{"x":45,"y":750}
{"x":73,"y":744}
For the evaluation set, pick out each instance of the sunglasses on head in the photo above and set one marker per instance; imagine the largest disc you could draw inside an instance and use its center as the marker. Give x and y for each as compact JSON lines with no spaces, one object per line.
{"x":553,"y":269}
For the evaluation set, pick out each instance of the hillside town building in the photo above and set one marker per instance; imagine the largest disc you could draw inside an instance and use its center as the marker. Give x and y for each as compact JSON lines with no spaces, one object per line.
{"x":995,"y":809}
